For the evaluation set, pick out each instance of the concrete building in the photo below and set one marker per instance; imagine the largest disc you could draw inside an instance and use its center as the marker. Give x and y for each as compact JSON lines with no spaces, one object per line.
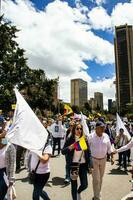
{"x":110,"y":104}
{"x":124,"y":65}
{"x":92,"y":103}
{"x":78,"y":92}
{"x":99,"y":100}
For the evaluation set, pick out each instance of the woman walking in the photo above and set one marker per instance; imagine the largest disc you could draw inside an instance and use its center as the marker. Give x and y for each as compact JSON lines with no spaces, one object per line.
{"x":79,"y":160}
{"x":42,"y":172}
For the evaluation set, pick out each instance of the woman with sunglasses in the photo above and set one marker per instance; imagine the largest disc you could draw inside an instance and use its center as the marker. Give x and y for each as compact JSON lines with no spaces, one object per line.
{"x":77,"y":155}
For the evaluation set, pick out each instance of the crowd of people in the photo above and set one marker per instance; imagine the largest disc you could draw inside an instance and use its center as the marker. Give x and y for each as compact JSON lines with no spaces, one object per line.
{"x":84,"y":154}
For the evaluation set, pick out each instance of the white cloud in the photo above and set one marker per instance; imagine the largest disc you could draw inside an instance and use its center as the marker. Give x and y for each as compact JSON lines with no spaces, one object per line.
{"x":57,"y":40}
{"x":99,"y":19}
{"x":122,"y":14}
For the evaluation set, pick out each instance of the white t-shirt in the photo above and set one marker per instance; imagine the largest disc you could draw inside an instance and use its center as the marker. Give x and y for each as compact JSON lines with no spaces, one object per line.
{"x":57,"y":130}
{"x":99,"y":146}
{"x":42,"y":168}
{"x":77,"y":156}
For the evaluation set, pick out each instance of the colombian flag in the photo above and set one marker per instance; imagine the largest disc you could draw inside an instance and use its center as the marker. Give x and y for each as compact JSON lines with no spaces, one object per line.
{"x":67,"y":109}
{"x":81,"y":144}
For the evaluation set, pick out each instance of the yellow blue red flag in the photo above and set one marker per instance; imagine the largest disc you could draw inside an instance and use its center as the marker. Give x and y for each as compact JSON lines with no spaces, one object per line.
{"x":67,"y":109}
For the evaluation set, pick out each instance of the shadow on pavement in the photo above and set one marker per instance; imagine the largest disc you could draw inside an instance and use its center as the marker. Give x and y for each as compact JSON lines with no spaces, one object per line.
{"x":25,"y":179}
{"x":57,"y":181}
{"x":48,"y":184}
{"x":117,"y":172}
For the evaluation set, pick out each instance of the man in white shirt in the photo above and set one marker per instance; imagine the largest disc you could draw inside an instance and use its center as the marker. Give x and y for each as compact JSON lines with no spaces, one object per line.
{"x":57,"y":131}
{"x":100,"y":145}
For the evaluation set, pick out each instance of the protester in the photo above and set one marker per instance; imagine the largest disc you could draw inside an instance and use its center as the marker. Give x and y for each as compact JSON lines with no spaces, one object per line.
{"x":79,"y":157}
{"x":108,"y":131}
{"x":100,"y":145}
{"x":120,"y":141}
{"x":57,"y":131}
{"x":129,"y":150}
{"x":7,"y":164}
{"x":67,"y":167}
{"x":42,"y":173}
{"x":124,"y":148}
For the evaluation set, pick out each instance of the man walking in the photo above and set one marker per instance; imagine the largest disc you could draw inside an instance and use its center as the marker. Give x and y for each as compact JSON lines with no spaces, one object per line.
{"x":100,"y":145}
{"x":58,"y":132}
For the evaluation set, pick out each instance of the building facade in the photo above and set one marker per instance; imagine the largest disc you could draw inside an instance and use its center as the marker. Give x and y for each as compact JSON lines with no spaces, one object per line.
{"x":110,"y":104}
{"x":92,"y":103}
{"x":124,"y":65}
{"x":78,"y":92}
{"x":99,"y":100}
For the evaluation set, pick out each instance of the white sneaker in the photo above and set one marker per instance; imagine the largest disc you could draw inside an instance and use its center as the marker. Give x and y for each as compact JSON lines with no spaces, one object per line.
{"x":79,"y":196}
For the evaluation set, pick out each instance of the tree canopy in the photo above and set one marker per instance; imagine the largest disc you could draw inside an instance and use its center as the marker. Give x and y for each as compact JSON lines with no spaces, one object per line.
{"x":14,"y":71}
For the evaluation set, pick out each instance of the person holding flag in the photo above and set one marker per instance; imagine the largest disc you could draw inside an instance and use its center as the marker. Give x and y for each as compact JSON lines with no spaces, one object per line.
{"x":27,"y":131}
{"x":79,"y":159}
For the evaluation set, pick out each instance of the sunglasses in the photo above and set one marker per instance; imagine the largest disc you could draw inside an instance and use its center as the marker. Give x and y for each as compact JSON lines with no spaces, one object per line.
{"x":79,"y":129}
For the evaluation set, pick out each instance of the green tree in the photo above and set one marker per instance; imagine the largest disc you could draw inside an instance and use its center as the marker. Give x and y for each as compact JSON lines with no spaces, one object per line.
{"x":86,"y":109}
{"x":76,"y":109}
{"x":12,"y":64}
{"x":14,"y":71}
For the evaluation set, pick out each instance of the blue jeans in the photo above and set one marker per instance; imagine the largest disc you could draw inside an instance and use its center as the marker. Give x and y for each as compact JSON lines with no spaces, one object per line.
{"x":123,"y":158}
{"x":3,"y":186}
{"x":67,"y":167}
{"x":83,"y":182}
{"x":40,"y":181}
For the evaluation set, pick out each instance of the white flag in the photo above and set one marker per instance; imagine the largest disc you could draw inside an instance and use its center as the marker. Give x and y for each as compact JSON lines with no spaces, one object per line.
{"x":85,"y":127}
{"x":27,"y":131}
{"x":120,"y":124}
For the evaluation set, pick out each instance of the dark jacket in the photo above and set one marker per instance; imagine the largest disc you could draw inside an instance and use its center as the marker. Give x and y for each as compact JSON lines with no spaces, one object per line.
{"x":69,"y":154}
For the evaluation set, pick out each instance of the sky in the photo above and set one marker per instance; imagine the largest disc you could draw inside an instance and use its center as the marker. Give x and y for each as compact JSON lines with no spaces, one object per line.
{"x":71,"y":39}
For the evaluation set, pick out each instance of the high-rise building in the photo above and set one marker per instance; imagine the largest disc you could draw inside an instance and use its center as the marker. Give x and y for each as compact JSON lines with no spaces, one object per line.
{"x":78,"y":92}
{"x":110,"y":104}
{"x":92,"y":103}
{"x":124,"y":65}
{"x":99,"y":100}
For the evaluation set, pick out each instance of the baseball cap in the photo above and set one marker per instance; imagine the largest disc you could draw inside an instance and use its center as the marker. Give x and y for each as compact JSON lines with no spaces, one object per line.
{"x":99,"y":123}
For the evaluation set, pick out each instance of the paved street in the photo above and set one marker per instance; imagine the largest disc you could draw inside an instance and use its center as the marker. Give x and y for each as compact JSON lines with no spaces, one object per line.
{"x":115,"y":186}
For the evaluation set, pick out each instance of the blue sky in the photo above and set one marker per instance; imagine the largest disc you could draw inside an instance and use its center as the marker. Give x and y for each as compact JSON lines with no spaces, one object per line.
{"x":71,"y":39}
